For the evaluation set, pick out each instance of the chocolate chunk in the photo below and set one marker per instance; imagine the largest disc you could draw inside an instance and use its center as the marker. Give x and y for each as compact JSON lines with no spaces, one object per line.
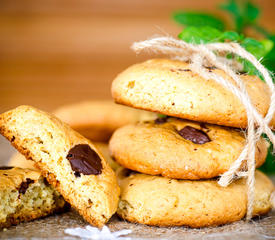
{"x":210,"y":67}
{"x":161,"y":120}
{"x":6,"y":168}
{"x":184,"y":70}
{"x":24,"y":185}
{"x":46,"y":182}
{"x":84,"y":160}
{"x":194,"y":135}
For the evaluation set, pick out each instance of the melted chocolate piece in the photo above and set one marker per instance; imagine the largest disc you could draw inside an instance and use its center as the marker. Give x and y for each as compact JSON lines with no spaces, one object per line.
{"x":77,"y":174}
{"x":184,"y":70}
{"x":84,"y":160}
{"x":210,"y":67}
{"x":6,"y":168}
{"x":161,"y":120}
{"x":194,"y":135}
{"x":181,"y":70}
{"x":24,"y":185}
{"x":46,"y":182}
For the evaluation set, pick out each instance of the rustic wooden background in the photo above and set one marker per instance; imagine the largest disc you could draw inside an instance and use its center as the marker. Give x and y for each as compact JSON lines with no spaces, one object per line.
{"x":57,"y":52}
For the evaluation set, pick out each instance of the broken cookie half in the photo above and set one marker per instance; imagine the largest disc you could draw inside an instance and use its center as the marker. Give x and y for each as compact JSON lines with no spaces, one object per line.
{"x":70,"y":162}
{"x":25,"y":195}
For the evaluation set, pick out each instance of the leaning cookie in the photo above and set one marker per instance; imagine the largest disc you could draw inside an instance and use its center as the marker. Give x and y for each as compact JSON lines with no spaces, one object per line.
{"x":180,"y":149}
{"x":97,"y":120}
{"x":171,"y":88}
{"x":19,"y":160}
{"x":161,"y":201}
{"x":70,"y":162}
{"x":25,"y":195}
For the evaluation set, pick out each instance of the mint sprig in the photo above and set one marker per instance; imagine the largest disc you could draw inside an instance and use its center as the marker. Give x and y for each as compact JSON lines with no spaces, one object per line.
{"x":199,"y":35}
{"x":207,"y":34}
{"x":244,"y":14}
{"x":207,"y":28}
{"x":198,"y":19}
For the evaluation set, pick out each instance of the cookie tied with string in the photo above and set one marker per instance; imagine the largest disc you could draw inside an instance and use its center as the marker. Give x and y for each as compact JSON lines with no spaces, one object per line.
{"x":180,"y":149}
{"x":170,"y":87}
{"x":159,"y":201}
{"x":218,"y":94}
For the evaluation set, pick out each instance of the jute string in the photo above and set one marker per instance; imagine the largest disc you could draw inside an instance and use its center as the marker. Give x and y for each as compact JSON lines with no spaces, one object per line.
{"x":214,"y":54}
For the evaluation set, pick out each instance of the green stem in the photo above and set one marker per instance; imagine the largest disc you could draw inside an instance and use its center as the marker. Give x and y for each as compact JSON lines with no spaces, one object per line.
{"x":261,"y":30}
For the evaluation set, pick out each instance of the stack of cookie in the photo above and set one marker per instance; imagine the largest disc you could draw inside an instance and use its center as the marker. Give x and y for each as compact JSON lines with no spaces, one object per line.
{"x":171,"y":164}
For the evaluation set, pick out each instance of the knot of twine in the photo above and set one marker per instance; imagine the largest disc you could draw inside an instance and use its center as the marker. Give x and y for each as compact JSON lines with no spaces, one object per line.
{"x":214,"y":54}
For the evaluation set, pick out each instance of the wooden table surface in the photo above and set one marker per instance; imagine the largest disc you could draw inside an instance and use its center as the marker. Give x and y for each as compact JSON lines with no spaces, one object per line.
{"x":58,"y":52}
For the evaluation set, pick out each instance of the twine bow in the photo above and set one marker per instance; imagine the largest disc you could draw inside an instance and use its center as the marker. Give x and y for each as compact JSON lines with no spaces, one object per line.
{"x":213,"y":54}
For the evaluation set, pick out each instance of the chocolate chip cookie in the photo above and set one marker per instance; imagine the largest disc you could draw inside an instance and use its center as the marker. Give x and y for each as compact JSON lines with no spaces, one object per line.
{"x":70,"y":162}
{"x":161,"y":201}
{"x":182,"y":149}
{"x":169,"y":87}
{"x":97,"y":120}
{"x":25,"y":195}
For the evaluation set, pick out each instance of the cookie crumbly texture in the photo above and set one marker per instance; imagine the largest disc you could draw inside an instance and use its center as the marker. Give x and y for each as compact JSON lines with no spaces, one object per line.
{"x":161,"y":201}
{"x":169,"y":87}
{"x":97,"y":120}
{"x":43,"y":138}
{"x":25,"y":195}
{"x":159,"y":149}
{"x":19,"y":160}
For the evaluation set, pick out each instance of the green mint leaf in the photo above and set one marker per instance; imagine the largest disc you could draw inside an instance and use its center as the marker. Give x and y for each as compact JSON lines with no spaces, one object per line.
{"x":268,"y":45}
{"x":253,"y":46}
{"x":269,"y":59}
{"x":259,"y":49}
{"x":251,"y":12}
{"x":244,"y":13}
{"x":230,"y":36}
{"x":232,"y":7}
{"x":198,"y":19}
{"x":198,"y":35}
{"x":269,"y":165}
{"x":249,"y":68}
